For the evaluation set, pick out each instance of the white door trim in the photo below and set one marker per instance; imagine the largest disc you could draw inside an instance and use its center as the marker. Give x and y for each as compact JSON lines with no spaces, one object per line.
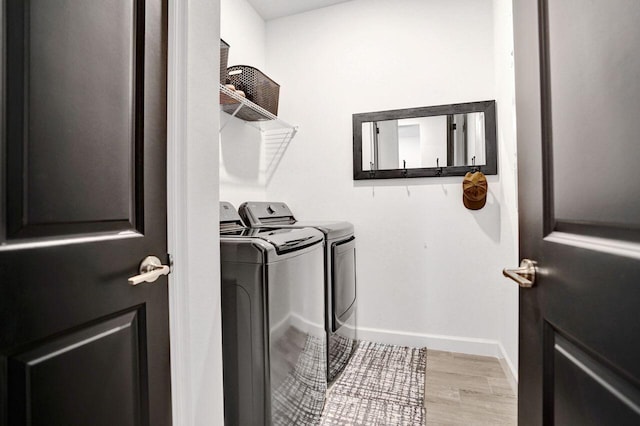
{"x":176,"y":225}
{"x":192,"y":192}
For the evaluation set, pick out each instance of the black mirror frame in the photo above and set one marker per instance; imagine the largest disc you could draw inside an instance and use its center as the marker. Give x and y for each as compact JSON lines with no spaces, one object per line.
{"x":491,"y":153}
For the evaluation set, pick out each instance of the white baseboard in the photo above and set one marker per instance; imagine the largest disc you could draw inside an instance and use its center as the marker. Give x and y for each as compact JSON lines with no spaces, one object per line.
{"x":465,"y":345}
{"x":438,"y":342}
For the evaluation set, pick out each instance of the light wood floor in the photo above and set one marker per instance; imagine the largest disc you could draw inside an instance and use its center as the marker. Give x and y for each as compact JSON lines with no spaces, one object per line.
{"x":467,"y":390}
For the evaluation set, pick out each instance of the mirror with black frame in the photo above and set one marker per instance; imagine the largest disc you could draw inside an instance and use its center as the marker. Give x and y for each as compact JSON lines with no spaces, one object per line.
{"x":443,"y":140}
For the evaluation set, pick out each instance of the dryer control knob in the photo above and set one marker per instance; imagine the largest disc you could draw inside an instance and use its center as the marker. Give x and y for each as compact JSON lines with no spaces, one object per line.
{"x":271,"y":210}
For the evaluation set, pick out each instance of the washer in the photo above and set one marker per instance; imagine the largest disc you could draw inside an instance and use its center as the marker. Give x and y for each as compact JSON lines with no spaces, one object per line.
{"x":273,"y":337}
{"x":339,"y":275}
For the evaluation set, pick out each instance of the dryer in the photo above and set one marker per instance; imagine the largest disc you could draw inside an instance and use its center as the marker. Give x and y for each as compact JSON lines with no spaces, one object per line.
{"x":274,"y":342}
{"x":339,"y":275}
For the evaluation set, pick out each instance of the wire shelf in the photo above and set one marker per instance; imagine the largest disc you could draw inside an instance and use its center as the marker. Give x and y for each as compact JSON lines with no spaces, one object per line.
{"x":254,"y":115}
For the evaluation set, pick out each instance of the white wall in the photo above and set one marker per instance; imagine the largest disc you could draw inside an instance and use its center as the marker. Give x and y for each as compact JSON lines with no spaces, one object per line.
{"x":242,"y":161}
{"x":244,"y":30}
{"x":428,"y":269}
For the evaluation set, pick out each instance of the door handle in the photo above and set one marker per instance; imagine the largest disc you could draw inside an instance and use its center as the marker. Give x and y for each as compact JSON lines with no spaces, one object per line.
{"x":525,"y":275}
{"x":150,"y":270}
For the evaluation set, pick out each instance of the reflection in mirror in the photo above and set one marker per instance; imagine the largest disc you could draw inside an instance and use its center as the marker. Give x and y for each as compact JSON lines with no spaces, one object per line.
{"x":444,"y":140}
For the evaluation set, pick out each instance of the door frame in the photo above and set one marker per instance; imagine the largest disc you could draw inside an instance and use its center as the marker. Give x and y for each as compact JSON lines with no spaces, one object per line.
{"x":192,"y":212}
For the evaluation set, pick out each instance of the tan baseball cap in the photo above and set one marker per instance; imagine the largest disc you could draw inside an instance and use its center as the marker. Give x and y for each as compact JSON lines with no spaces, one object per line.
{"x":474,"y":190}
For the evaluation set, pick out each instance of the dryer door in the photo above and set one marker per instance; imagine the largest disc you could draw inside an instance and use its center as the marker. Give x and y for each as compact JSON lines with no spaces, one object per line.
{"x":343,"y":262}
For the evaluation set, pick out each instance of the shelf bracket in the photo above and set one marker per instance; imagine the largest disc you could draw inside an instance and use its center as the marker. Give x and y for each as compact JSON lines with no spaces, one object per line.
{"x":231,"y":117}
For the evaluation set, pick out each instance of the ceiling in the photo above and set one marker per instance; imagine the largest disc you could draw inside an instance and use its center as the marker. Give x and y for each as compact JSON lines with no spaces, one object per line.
{"x":271,"y":9}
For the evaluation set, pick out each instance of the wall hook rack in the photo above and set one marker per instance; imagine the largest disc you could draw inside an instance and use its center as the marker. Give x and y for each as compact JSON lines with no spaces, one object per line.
{"x":438,"y":168}
{"x":474,"y":168}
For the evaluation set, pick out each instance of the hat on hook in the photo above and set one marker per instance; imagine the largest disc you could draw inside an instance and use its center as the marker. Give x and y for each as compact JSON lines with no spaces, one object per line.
{"x":474,"y":190}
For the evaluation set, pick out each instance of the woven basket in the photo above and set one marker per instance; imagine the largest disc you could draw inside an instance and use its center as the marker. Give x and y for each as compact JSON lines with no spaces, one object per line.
{"x":258,"y":88}
{"x":224,"y":58}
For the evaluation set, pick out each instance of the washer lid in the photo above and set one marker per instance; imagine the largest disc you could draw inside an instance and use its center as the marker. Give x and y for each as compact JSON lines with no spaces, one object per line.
{"x":277,"y":214}
{"x":283,"y":240}
{"x":287,"y":240}
{"x":332,"y":229}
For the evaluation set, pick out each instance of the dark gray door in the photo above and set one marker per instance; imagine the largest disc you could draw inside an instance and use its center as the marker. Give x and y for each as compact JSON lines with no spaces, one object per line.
{"x":578,"y":107}
{"x":83,"y":180}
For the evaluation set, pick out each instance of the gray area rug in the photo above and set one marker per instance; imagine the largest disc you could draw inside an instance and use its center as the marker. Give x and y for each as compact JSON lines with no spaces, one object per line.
{"x":381,"y":385}
{"x":340,"y":350}
{"x":298,"y":397}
